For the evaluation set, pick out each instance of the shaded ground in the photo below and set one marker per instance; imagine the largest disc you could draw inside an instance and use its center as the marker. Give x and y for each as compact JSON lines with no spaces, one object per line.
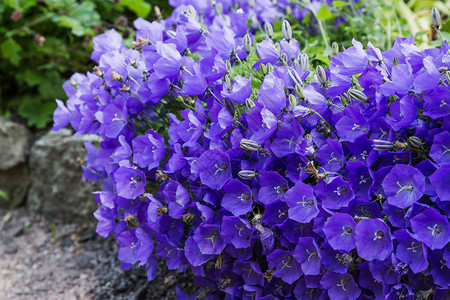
{"x":45,"y":259}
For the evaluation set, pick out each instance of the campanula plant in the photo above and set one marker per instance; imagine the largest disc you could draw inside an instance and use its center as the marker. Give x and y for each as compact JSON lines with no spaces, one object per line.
{"x":277,"y":181}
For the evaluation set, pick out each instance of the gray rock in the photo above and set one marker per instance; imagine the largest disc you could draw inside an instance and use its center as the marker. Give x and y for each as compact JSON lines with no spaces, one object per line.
{"x":14,"y":140}
{"x":14,"y":184}
{"x":56,"y":186}
{"x":14,"y":180}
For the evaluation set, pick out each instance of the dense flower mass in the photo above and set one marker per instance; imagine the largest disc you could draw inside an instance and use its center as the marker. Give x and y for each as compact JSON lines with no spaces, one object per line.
{"x":232,"y":157}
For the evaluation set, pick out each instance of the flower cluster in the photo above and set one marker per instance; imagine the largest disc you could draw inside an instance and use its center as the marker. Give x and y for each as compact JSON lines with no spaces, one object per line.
{"x":265,"y":177}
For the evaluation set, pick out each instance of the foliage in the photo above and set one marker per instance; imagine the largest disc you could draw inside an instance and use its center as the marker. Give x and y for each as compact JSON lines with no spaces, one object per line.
{"x":43,"y":42}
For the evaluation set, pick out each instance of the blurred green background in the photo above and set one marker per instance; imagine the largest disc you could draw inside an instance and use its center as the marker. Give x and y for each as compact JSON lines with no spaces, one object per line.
{"x":43,"y":42}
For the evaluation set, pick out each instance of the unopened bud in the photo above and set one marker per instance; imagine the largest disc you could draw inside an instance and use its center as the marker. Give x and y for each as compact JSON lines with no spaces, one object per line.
{"x":249,"y":103}
{"x":190,"y":10}
{"x":286,"y":30}
{"x":249,"y":145}
{"x":335,"y":48}
{"x":247,"y":43}
{"x":180,"y":98}
{"x":269,"y":68}
{"x":255,"y":93}
{"x":294,"y":77}
{"x":263,"y":69}
{"x":435,"y":17}
{"x":382,"y":145}
{"x":321,"y":75}
{"x":171,"y":34}
{"x":228,"y":81}
{"x":299,"y":91}
{"x":357,"y":95}
{"x":284,"y":59}
{"x":251,"y":3}
{"x":292,"y":100}
{"x":268,"y":29}
{"x":304,"y":62}
{"x":247,"y":174}
{"x":395,"y":61}
{"x":415,"y":142}
{"x":219,"y":8}
{"x":447,"y":76}
{"x":228,"y":66}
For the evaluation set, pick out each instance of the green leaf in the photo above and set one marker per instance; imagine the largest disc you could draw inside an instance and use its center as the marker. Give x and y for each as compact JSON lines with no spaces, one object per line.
{"x":140,"y":7}
{"x":324,"y":13}
{"x":4,"y":195}
{"x":20,"y":4}
{"x":10,"y":50}
{"x":339,"y":3}
{"x":31,"y":77}
{"x":37,"y":112}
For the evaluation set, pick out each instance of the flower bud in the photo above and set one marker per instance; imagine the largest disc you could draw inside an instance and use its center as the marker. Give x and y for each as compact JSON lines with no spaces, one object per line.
{"x":249,"y":103}
{"x":249,"y":145}
{"x":382,"y":145}
{"x":321,"y":75}
{"x":247,"y":174}
{"x":251,"y":3}
{"x":299,"y":91}
{"x":335,"y":48}
{"x":304,"y":61}
{"x":357,"y":95}
{"x":263,"y":69}
{"x":180,"y":98}
{"x":247,"y":43}
{"x":219,"y":8}
{"x":292,"y":100}
{"x":190,"y":11}
{"x":395,"y":61}
{"x":268,"y":29}
{"x":255,"y":93}
{"x":269,"y":68}
{"x":415,"y":142}
{"x":447,"y":76}
{"x":286,"y":30}
{"x":228,"y":66}
{"x":284,"y":59}
{"x":294,"y":77}
{"x":228,"y":81}
{"x":435,"y":17}
{"x":171,"y":34}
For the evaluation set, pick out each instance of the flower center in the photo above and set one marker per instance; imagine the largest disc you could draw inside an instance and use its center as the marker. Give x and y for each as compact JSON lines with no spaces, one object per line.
{"x":378,"y":235}
{"x":222,"y":168}
{"x":135,"y":180}
{"x":443,"y":103}
{"x":435,"y":230}
{"x":244,"y":197}
{"x":286,"y":262}
{"x":413,"y":247}
{"x":341,"y":191}
{"x":408,"y":188}
{"x":346,"y":230}
{"x":280,"y":189}
{"x":344,"y":281}
{"x":239,"y":228}
{"x":308,"y":202}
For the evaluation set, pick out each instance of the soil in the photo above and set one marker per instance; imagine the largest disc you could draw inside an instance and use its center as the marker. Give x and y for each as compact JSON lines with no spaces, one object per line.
{"x":42,"y":258}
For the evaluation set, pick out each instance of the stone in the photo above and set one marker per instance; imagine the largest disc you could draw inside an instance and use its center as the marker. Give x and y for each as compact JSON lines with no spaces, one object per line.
{"x":56,"y":187}
{"x":14,"y":185}
{"x":15,"y":140}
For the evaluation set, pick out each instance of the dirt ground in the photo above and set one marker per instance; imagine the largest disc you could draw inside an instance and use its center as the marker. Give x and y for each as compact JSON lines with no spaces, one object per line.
{"x":46,"y":259}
